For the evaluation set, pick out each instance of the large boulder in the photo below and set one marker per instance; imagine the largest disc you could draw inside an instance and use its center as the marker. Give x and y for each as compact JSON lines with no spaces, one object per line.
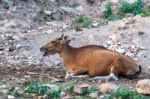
{"x":143,"y":86}
{"x":108,"y":87}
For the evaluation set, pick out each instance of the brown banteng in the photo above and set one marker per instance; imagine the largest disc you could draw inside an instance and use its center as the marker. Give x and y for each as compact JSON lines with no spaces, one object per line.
{"x":94,"y":60}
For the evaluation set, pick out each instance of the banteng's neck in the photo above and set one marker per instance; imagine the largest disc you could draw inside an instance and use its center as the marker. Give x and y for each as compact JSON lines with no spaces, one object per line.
{"x":67,"y":54}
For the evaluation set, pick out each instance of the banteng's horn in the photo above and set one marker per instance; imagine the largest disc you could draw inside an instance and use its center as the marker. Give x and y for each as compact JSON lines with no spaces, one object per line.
{"x":61,"y":36}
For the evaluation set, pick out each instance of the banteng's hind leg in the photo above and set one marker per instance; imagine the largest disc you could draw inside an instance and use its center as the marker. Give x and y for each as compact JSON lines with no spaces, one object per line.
{"x":114,"y":72}
{"x":106,"y":78}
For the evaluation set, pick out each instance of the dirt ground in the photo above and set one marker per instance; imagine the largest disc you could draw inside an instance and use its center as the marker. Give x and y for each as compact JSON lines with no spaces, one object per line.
{"x":59,"y":74}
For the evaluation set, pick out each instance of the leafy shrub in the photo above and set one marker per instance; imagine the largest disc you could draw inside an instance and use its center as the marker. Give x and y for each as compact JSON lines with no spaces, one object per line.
{"x":54,"y":95}
{"x":87,"y":90}
{"x":69,"y":88}
{"x":45,"y":4}
{"x":8,"y":4}
{"x":83,"y":21}
{"x":108,"y":13}
{"x":124,"y":93}
{"x":134,"y":8}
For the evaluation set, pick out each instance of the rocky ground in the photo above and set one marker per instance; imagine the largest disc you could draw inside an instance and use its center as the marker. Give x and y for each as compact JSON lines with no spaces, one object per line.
{"x":22,"y":34}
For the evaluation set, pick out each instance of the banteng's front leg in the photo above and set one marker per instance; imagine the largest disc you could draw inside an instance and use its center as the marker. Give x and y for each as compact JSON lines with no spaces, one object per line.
{"x":73,"y":75}
{"x":76,"y":73}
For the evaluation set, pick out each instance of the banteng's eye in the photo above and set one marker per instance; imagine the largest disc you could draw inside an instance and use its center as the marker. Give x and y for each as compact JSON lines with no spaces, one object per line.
{"x":53,"y":42}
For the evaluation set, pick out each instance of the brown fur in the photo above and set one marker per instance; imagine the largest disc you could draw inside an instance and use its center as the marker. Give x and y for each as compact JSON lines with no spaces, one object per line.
{"x":91,"y":59}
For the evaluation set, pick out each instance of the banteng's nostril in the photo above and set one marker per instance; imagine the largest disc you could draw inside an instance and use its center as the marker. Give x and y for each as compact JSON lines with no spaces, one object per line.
{"x":42,"y":49}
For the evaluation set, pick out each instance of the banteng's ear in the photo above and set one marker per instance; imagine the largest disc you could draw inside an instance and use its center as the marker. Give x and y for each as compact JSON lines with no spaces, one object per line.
{"x":61,"y":36}
{"x":66,"y":39}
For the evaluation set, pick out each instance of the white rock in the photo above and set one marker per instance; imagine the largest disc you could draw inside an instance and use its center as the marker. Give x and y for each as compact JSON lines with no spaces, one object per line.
{"x":5,"y":91}
{"x":15,"y":37}
{"x":120,"y":50}
{"x":114,"y":38}
{"x":47,"y":12}
{"x":52,"y":87}
{"x":49,"y":31}
{"x":66,"y":97}
{"x":93,"y":95}
{"x":107,"y":87}
{"x":10,"y":97}
{"x":77,"y":88}
{"x":143,"y":86}
{"x":122,"y":26}
{"x":130,"y":1}
{"x":62,"y":94}
{"x":3,"y":86}
{"x":95,"y":24}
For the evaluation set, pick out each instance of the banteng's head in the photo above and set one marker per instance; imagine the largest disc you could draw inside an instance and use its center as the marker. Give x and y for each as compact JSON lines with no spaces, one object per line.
{"x":55,"y":46}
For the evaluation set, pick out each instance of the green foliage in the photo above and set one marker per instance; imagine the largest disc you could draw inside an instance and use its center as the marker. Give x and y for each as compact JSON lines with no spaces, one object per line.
{"x":145,"y":13}
{"x":83,"y":21}
{"x":134,"y":8}
{"x":124,"y":93}
{"x":69,"y":88}
{"x":1,"y":93}
{"x":108,"y":13}
{"x":141,"y":33}
{"x":38,"y":87}
{"x":93,"y":89}
{"x":87,"y":90}
{"x":12,"y":47}
{"x":8,"y":4}
{"x":54,"y":95}
{"x":45,"y":4}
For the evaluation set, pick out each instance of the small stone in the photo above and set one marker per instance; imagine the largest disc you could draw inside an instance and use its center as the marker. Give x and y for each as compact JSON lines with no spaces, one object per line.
{"x":143,"y":86}
{"x":52,"y":87}
{"x":107,"y":88}
{"x":10,"y":97}
{"x":3,"y":86}
{"x":93,"y":95}
{"x":66,"y":97}
{"x":95,"y":25}
{"x":122,"y":26}
{"x":77,"y":89}
{"x":49,"y":31}
{"x":27,"y":76}
{"x":62,"y":94}
{"x":48,"y":12}
{"x":15,"y":37}
{"x":114,"y":38}
{"x":120,"y":50}
{"x":5,"y":91}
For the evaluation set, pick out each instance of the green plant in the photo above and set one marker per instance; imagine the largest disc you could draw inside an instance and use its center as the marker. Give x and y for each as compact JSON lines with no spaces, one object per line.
{"x":83,"y":21}
{"x":125,"y":93}
{"x":38,"y":87}
{"x":141,"y":33}
{"x":8,"y":4}
{"x":69,"y":88}
{"x":108,"y":13}
{"x":45,"y":4}
{"x":85,"y":90}
{"x":134,"y":8}
{"x":12,"y":47}
{"x":54,"y":95}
